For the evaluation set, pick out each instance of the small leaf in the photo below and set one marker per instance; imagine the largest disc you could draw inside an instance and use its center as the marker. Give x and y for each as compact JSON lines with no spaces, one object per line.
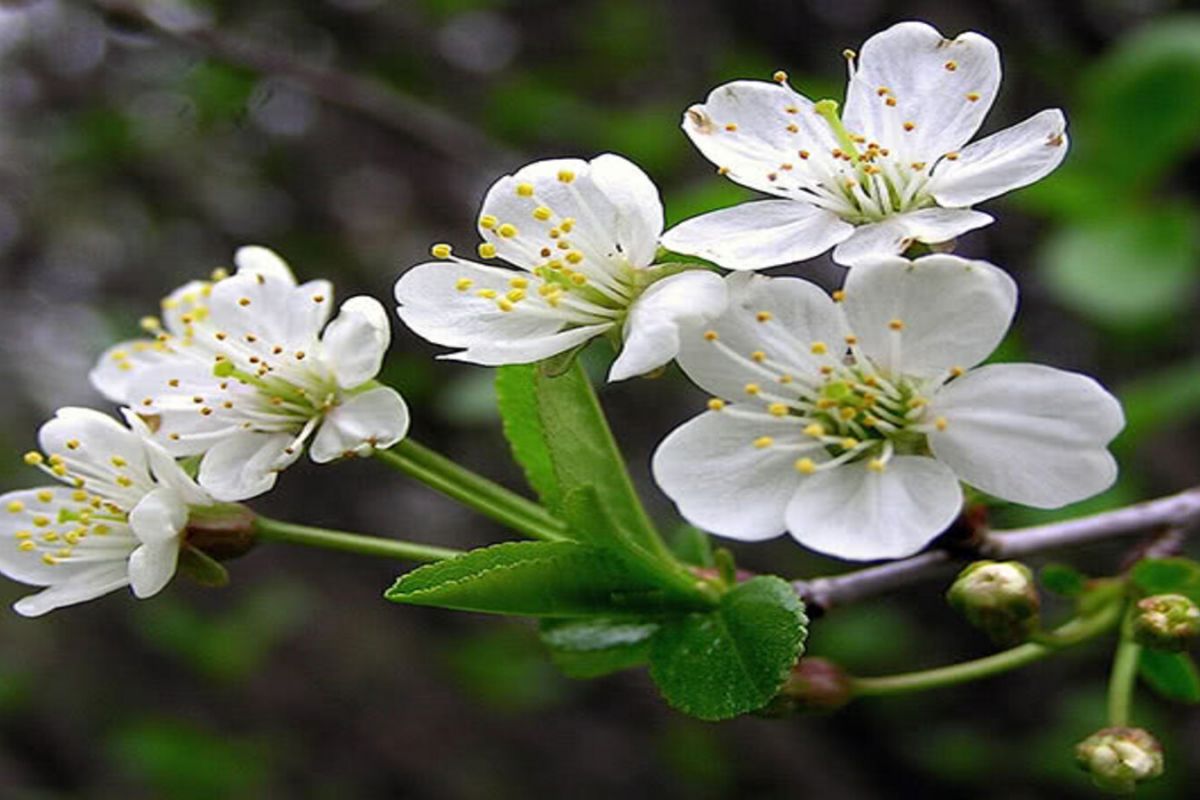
{"x":734,"y":659}
{"x":1063,"y":579}
{"x":1168,"y":576}
{"x":539,"y":579}
{"x":692,"y":546}
{"x":202,"y":568}
{"x":594,"y":647}
{"x":560,"y":436}
{"x":1172,"y":675}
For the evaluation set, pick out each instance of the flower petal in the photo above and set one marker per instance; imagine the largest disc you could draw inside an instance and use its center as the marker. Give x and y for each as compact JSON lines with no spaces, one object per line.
{"x":781,"y":318}
{"x":151,"y":568}
{"x":257,"y":260}
{"x":437,"y":304}
{"x":32,"y":515}
{"x":377,"y":418}
{"x":894,"y":235}
{"x":856,"y":513}
{"x":354,"y":344}
{"x":84,"y":586}
{"x":85,"y":435}
{"x":269,"y":311}
{"x":656,"y":319}
{"x":638,"y":205}
{"x":245,"y":465}
{"x":1028,"y":433}
{"x":165,"y":469}
{"x":721,"y":482}
{"x":952,"y":312}
{"x":160,"y":516}
{"x":759,"y":234}
{"x":755,"y":132}
{"x":120,"y":365}
{"x":920,"y":94}
{"x":1007,"y":160}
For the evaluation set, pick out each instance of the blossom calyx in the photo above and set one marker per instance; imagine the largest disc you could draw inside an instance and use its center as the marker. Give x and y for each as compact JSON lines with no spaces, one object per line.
{"x":1118,"y":759}
{"x":222,"y":531}
{"x":815,"y":684}
{"x":999,"y":598}
{"x":1166,"y":622}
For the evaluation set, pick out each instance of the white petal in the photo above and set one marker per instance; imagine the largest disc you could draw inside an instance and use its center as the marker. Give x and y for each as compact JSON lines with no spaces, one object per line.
{"x":183,"y":428}
{"x":163,"y":466}
{"x":639,"y":208}
{"x":160,"y":516}
{"x":19,"y":526}
{"x":354,"y":344}
{"x":184,"y":302}
{"x":856,"y":513}
{"x":721,"y":482}
{"x":954,"y":312}
{"x":245,"y":465}
{"x":257,"y":260}
{"x":894,"y":235}
{"x":944,"y":87}
{"x":89,"y":436}
{"x":100,"y":580}
{"x":763,"y":233}
{"x":116,"y":370}
{"x":1007,"y":160}
{"x":528,"y":206}
{"x":377,"y":418}
{"x":432,"y":305}
{"x":269,"y":310}
{"x":656,"y":319}
{"x":152,"y":566}
{"x":752,"y":129}
{"x":780,"y":317}
{"x":1027,"y":433}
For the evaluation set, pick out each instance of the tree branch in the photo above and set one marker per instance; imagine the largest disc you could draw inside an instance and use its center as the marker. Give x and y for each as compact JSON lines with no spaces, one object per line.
{"x":1175,"y":511}
{"x":436,"y":129}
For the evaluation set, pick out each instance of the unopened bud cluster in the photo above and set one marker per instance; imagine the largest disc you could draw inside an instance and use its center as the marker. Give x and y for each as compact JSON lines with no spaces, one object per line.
{"x":999,"y":598}
{"x":1118,"y":759}
{"x":1166,"y":622}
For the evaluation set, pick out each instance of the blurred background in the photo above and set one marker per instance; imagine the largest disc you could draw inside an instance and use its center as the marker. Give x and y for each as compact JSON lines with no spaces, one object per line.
{"x":140,"y":143}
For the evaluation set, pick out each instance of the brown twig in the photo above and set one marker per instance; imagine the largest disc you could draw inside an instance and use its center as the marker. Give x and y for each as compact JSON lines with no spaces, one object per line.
{"x":1174,"y":513}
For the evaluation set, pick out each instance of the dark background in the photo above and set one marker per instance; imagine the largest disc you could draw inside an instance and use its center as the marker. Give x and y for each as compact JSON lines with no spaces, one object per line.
{"x":135,"y":155}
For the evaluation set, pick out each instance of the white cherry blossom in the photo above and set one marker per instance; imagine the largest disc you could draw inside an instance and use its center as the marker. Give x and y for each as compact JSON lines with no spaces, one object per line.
{"x":241,"y":373}
{"x":894,"y":169}
{"x":849,"y":421}
{"x":113,"y":519}
{"x":583,"y":237}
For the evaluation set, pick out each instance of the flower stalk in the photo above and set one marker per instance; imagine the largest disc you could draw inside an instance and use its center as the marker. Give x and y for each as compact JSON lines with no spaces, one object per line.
{"x":310,"y":536}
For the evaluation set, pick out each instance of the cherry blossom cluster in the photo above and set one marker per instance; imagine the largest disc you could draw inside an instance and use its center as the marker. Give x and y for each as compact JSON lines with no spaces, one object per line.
{"x":848,"y":420}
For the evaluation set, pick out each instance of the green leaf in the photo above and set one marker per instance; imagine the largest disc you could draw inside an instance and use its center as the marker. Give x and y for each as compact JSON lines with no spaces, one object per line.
{"x":692,"y":546}
{"x":540,"y":579}
{"x":560,"y":437}
{"x":1172,"y":675}
{"x":1063,"y":579}
{"x":594,"y":647}
{"x":734,"y":659}
{"x":1168,"y":576}
{"x":1128,"y":270}
{"x":516,"y":395}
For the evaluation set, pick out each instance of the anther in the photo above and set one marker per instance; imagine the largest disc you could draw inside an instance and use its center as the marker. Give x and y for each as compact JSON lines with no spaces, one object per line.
{"x":819,"y":348}
{"x":758,"y":356}
{"x":951,"y":66}
{"x":877,"y":465}
{"x":566,"y":175}
{"x":805,"y":466}
{"x":463,"y":284}
{"x":839,"y":296}
{"x":487,"y":250}
{"x":525,"y":189}
{"x":542,"y":213}
{"x":764,"y":316}
{"x":441,"y":250}
{"x":716,"y":404}
{"x":940,"y":423}
{"x":896,"y":325}
{"x":778,"y":409}
{"x":973,"y":96}
{"x":780,"y":76}
{"x":731,"y":127}
{"x":507,"y":230}
{"x":487,"y":222}
{"x":909,"y":126}
{"x":752,"y":389}
{"x":711,"y":336}
{"x":244,"y":301}
{"x":763,"y":442}
{"x":33,"y":458}
{"x":815,"y":429}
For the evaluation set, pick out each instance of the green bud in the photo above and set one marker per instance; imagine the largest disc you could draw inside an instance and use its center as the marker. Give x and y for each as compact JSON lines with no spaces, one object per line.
{"x":1118,"y":759}
{"x":1166,"y":622}
{"x":999,"y":598}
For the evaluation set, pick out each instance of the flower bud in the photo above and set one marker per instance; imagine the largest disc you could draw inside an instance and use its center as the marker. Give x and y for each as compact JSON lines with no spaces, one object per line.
{"x":1166,"y":622}
{"x":815,"y":684}
{"x":1118,"y":759}
{"x":999,"y":598}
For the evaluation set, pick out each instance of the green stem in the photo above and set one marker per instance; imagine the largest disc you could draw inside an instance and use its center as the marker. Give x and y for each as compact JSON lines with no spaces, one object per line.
{"x":1074,"y":632}
{"x":1123,"y":678}
{"x":276,"y":531}
{"x":473,"y":490}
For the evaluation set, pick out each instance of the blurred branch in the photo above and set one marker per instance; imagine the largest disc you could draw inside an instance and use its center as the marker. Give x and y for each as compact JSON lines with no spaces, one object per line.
{"x":1174,"y":512}
{"x":436,"y":129}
